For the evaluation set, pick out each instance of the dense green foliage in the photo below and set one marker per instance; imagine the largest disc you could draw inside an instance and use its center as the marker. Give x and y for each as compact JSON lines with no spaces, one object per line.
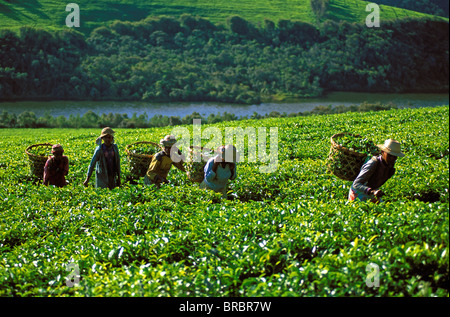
{"x":287,"y":233}
{"x":358,"y":144}
{"x":144,"y":148}
{"x":42,"y":150}
{"x":186,"y":59}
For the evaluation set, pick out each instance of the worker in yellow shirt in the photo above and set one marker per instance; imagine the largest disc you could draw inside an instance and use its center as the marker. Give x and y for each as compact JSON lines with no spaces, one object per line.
{"x":162,"y":162}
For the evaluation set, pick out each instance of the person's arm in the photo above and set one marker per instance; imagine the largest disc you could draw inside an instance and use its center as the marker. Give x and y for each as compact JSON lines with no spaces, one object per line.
{"x":210,"y":170}
{"x":178,"y":159}
{"x":116,"y":148}
{"x":46,"y":171}
{"x":233,"y":167}
{"x":180,"y":166}
{"x":92,"y":165}
{"x":66,"y":165}
{"x":364,"y":176}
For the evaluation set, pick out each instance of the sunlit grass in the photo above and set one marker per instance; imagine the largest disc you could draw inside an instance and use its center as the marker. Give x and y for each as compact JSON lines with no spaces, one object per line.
{"x":52,"y":14}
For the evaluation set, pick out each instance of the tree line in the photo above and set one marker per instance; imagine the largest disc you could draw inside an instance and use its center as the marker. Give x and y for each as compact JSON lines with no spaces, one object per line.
{"x":90,"y":119}
{"x":191,"y":59}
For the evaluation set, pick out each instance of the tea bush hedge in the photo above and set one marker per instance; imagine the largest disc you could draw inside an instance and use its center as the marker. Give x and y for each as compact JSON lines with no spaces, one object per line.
{"x":287,"y":233}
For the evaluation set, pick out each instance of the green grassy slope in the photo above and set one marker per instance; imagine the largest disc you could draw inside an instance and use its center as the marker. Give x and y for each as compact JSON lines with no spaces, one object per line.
{"x":355,"y":11}
{"x":51,"y":13}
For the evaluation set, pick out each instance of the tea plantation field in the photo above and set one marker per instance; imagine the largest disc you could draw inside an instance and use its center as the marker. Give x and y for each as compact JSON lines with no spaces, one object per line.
{"x":287,"y":233}
{"x":51,"y":14}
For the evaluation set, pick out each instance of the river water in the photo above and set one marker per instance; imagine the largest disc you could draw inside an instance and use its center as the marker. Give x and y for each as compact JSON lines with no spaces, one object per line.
{"x":182,"y":109}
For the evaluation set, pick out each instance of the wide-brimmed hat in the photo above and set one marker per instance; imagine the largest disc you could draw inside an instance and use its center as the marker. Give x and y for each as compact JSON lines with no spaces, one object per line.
{"x":227,"y":153}
{"x":107,"y":131}
{"x":392,"y":147}
{"x":57,"y":148}
{"x":168,"y":141}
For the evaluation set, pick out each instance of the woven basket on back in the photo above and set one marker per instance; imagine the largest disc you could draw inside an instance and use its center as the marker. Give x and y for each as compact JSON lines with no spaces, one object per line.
{"x":343,"y":162}
{"x":195,"y":170}
{"x":37,"y":162}
{"x":139,"y":162}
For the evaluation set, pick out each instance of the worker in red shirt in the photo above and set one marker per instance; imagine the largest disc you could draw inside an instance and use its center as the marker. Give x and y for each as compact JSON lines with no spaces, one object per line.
{"x":56,"y":168}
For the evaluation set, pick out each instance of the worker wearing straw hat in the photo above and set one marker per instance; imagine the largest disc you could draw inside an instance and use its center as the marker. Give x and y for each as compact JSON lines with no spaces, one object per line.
{"x":375,"y":172}
{"x":106,"y":161}
{"x":220,"y":169}
{"x":56,"y":167}
{"x":162,"y":162}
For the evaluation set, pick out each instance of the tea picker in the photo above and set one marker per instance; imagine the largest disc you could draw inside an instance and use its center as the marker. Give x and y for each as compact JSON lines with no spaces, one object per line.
{"x":162,"y":162}
{"x":220,"y":169}
{"x":105,"y":162}
{"x":375,"y":172}
{"x":56,"y":168}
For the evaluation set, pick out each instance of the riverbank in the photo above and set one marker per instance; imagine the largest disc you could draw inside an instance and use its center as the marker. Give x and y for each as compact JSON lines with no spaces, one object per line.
{"x":90,"y":119}
{"x":181,"y":109}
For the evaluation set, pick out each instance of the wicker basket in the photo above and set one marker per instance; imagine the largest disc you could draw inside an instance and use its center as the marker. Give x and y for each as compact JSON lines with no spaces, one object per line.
{"x":37,"y":162}
{"x":139,"y":163}
{"x":343,"y":162}
{"x":195,"y":170}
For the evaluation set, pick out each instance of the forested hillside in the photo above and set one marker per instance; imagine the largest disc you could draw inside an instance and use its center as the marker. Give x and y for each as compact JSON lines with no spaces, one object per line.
{"x":191,"y":58}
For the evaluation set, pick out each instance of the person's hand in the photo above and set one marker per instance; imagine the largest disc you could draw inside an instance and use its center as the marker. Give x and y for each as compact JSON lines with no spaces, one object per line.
{"x":215,"y":166}
{"x":160,"y":179}
{"x":157,"y":179}
{"x":378,"y":193}
{"x":164,"y":180}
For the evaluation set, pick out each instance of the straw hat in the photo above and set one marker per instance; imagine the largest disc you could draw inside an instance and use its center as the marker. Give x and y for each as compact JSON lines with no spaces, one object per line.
{"x":392,"y":147}
{"x":107,"y":131}
{"x":224,"y":155}
{"x":168,"y":141}
{"x":57,"y":148}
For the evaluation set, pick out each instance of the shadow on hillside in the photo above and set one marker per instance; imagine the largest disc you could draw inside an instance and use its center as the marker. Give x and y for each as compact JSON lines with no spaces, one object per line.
{"x":125,"y":12}
{"x":31,"y":6}
{"x":338,"y":13}
{"x":11,"y":13}
{"x":134,"y":12}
